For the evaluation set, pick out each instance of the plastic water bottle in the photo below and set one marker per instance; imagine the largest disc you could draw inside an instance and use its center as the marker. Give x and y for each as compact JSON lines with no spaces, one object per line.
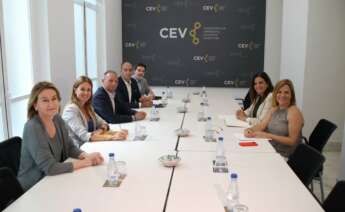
{"x":220,"y":153}
{"x":113,"y":171}
{"x":169,"y":93}
{"x":164,"y":98}
{"x":232,"y":194}
{"x":205,"y":111}
{"x":204,"y":96}
{"x":203,"y":91}
{"x":209,"y":129}
{"x":154,"y":114}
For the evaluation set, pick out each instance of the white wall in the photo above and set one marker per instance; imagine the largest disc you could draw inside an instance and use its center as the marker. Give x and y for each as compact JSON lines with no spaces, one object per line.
{"x":40,"y":40}
{"x":61,"y":43}
{"x":324,"y":85}
{"x":274,"y":10}
{"x":293,"y":46}
{"x":113,"y":14}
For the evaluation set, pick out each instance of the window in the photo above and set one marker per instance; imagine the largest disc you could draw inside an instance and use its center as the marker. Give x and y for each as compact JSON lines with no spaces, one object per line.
{"x":85,"y":23}
{"x":18,"y":62}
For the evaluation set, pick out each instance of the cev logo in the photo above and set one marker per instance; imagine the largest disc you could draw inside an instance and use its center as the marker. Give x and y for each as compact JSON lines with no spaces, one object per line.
{"x":251,"y":45}
{"x":137,"y":44}
{"x":153,"y":8}
{"x":179,"y":82}
{"x":201,"y":58}
{"x":173,"y":32}
{"x":229,"y":82}
{"x":193,"y":33}
{"x":215,"y":8}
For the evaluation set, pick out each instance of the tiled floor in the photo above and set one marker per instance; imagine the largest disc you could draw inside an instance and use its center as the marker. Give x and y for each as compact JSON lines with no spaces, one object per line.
{"x":330,"y":173}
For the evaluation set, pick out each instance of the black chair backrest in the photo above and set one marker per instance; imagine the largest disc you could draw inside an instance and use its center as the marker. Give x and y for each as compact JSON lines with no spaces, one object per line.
{"x":335,"y":200}
{"x":10,"y":153}
{"x":305,"y":161}
{"x":321,"y":133}
{"x":247,"y":101}
{"x":9,"y":187}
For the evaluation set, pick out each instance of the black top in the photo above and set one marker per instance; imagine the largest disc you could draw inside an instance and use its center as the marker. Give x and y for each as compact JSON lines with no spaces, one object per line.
{"x":123,"y":93}
{"x":102,"y":105}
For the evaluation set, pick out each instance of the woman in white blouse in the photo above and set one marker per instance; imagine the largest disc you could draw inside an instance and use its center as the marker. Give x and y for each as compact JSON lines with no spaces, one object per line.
{"x":261,"y":97}
{"x":85,"y":125}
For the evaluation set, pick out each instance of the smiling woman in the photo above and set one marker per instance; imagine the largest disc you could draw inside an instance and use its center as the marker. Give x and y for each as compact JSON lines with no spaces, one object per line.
{"x":283,"y":124}
{"x":46,"y":144}
{"x":261,"y":98}
{"x":85,"y":125}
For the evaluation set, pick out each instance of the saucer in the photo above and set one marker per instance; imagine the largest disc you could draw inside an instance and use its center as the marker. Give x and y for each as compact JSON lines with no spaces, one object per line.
{"x":182,"y":132}
{"x":182,"y":109}
{"x":169,"y":160}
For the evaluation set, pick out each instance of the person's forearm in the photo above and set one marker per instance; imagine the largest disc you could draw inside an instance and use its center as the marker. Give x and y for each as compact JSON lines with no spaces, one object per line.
{"x":282,"y":139}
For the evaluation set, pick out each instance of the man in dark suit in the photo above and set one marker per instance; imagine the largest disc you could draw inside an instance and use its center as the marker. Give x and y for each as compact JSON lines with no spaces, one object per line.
{"x":106,"y":102}
{"x":128,"y":90}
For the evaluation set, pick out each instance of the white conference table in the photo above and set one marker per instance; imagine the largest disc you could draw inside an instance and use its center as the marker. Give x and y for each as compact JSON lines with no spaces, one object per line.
{"x":144,"y":188}
{"x":266,"y":182}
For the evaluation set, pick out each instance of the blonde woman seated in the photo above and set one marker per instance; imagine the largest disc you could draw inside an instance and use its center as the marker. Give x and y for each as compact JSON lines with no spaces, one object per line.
{"x":283,"y":124}
{"x":85,"y":125}
{"x":46,"y":143}
{"x":260,"y":93}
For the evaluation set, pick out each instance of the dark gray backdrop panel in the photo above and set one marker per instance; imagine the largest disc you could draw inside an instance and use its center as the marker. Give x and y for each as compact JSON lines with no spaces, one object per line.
{"x":205,"y":43}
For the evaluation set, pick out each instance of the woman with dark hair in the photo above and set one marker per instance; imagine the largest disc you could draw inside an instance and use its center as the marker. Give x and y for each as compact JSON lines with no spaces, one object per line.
{"x":46,"y":144}
{"x":283,"y":124}
{"x":85,"y":125}
{"x":261,"y":97}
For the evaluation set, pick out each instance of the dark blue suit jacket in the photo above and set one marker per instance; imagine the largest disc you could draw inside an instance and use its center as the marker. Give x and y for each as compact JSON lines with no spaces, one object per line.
{"x":123,"y":94}
{"x":102,"y":105}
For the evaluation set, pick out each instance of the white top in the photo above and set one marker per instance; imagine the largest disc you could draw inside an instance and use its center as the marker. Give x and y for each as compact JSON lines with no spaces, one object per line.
{"x":112,"y":98}
{"x":129,"y":89}
{"x":263,"y":109}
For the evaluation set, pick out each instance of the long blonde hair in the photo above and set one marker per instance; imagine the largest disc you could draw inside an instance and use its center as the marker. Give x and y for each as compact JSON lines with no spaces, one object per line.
{"x":280,"y":84}
{"x":35,"y":92}
{"x":74,"y":99}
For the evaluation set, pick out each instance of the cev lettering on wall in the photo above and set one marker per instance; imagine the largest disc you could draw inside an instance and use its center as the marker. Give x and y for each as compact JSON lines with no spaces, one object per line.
{"x":173,"y":32}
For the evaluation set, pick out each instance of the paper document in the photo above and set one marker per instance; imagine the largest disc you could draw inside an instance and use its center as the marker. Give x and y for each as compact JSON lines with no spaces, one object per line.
{"x":232,"y":121}
{"x":241,"y":137}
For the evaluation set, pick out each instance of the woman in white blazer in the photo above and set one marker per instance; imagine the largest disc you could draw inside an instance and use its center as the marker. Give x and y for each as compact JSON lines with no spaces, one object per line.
{"x":85,"y":125}
{"x":261,"y":97}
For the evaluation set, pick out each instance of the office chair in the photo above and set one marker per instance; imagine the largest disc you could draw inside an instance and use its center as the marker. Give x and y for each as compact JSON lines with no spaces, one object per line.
{"x":335,"y":200}
{"x":318,"y":139}
{"x":9,"y":187}
{"x":305,"y":161}
{"x":10,"y":153}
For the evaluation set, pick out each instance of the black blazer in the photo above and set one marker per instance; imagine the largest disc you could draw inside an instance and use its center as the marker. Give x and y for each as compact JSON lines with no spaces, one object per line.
{"x":123,"y":94}
{"x":102,"y":105}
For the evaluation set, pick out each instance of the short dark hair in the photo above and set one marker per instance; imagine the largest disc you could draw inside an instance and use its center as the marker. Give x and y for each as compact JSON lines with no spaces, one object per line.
{"x":124,"y":63}
{"x":141,"y":65}
{"x":109,"y":72}
{"x":252,"y":92}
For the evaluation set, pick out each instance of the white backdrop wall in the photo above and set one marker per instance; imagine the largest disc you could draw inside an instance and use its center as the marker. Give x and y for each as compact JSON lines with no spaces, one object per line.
{"x":274,"y":9}
{"x":40,"y":40}
{"x":113,"y":28}
{"x":61,"y":45}
{"x":293,"y":44}
{"x":323,"y":94}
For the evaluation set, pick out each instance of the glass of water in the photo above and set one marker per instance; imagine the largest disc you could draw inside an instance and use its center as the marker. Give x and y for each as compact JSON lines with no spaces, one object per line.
{"x":240,"y":208}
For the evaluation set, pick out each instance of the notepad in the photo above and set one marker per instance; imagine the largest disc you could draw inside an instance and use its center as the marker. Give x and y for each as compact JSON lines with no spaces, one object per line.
{"x":232,"y":121}
{"x":241,"y":137}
